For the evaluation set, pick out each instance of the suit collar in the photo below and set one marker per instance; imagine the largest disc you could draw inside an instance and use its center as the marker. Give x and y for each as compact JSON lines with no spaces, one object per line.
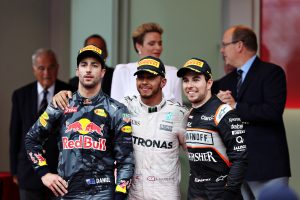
{"x":249,"y":77}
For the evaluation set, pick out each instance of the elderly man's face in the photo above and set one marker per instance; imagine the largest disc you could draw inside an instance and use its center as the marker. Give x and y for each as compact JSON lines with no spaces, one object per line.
{"x":45,"y":70}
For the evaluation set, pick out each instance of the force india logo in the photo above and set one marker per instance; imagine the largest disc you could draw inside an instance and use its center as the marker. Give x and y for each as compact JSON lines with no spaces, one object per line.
{"x":84,"y":142}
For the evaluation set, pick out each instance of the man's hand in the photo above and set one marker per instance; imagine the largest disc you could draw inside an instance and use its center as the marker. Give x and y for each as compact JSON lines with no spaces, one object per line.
{"x":15,"y":180}
{"x":55,"y":183}
{"x":226,"y":97}
{"x":61,"y":99}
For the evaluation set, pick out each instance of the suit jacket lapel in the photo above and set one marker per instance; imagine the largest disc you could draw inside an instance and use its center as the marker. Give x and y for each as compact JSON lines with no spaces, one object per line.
{"x":33,"y":102}
{"x":249,"y":77}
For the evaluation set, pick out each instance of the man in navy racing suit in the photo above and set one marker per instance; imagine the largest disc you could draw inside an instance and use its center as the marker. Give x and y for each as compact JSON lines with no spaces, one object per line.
{"x":95,"y":133}
{"x":215,"y":138}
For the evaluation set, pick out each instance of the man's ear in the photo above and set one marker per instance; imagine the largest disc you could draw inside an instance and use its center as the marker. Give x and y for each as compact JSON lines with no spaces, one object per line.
{"x":163,"y":82}
{"x":209,"y":83}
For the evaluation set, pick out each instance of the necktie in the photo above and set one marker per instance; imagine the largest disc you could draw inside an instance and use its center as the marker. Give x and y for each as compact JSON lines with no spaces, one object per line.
{"x":239,"y":81}
{"x":44,"y":102}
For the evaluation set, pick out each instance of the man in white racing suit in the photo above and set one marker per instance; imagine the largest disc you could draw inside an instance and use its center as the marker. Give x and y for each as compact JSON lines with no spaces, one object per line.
{"x":158,"y":128}
{"x":158,"y":131}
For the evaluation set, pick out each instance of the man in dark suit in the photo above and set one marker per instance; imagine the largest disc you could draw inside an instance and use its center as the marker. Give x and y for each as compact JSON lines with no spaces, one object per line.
{"x":99,"y":42}
{"x":258,"y":93}
{"x":28,"y":103}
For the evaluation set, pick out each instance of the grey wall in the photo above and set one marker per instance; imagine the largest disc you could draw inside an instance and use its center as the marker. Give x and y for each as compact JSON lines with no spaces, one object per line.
{"x":87,"y":18}
{"x":25,"y":27}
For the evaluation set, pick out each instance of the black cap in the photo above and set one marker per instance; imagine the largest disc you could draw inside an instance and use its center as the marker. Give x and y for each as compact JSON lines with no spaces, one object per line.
{"x":91,"y":51}
{"x":196,"y":65}
{"x":152,"y":65}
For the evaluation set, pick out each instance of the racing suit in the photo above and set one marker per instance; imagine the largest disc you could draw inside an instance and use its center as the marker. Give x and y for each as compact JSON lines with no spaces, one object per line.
{"x":157,"y":133}
{"x":93,"y":134}
{"x":217,"y":151}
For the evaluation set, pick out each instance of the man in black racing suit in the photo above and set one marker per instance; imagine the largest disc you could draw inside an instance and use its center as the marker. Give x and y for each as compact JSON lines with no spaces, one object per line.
{"x":95,"y":133}
{"x":215,"y":138}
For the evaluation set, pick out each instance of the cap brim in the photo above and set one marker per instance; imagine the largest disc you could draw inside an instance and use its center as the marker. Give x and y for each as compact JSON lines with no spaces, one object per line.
{"x":93,"y":54}
{"x":148,"y":71}
{"x":181,"y":72}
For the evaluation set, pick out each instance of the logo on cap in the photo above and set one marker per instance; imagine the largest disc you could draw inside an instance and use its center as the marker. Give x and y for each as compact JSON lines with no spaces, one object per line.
{"x":152,"y":65}
{"x":91,"y":48}
{"x":149,"y":62}
{"x":195,"y":62}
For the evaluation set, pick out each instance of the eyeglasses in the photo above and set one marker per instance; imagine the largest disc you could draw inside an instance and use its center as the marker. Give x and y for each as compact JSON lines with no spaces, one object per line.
{"x":223,"y":45}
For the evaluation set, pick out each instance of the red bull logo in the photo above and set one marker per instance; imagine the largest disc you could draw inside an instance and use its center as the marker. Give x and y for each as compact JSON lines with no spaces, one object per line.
{"x":85,"y":126}
{"x":37,"y":159}
{"x":84,"y":142}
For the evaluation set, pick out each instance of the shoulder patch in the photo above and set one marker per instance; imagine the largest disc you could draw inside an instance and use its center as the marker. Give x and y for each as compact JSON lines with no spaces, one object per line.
{"x":221,"y":112}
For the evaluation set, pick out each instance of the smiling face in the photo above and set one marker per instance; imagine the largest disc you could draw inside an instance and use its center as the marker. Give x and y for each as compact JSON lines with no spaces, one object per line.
{"x":151,"y":46}
{"x":196,"y":88}
{"x":150,"y":87}
{"x":90,"y":72}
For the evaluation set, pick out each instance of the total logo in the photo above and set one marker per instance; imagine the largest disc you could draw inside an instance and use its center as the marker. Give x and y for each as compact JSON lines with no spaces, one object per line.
{"x":85,"y":126}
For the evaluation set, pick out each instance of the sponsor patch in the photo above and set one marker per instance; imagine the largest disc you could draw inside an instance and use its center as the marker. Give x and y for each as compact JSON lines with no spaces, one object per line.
{"x":122,"y":187}
{"x":239,"y":139}
{"x":239,"y":148}
{"x":70,"y":110}
{"x":207,"y":118}
{"x":198,"y":137}
{"x":91,"y":48}
{"x":96,"y":181}
{"x":201,"y":180}
{"x":126,"y":129}
{"x":135,"y":122}
{"x":84,"y":126}
{"x":237,"y":132}
{"x":221,"y":178}
{"x":160,"y":179}
{"x":43,"y":119}
{"x":126,"y":117}
{"x":202,"y":157}
{"x":150,"y":62}
{"x":195,"y":62}
{"x":41,"y":160}
{"x":100,"y":112}
{"x":221,"y":112}
{"x":165,"y":127}
{"x":84,"y":142}
{"x":152,"y":143}
{"x":169,"y":116}
{"x":236,"y":126}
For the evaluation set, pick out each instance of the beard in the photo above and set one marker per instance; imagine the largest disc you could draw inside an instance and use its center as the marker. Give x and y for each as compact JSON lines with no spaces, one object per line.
{"x":149,"y":94}
{"x":89,"y":85}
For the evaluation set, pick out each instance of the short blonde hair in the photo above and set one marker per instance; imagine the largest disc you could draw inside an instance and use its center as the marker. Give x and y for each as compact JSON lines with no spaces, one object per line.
{"x":139,"y":33}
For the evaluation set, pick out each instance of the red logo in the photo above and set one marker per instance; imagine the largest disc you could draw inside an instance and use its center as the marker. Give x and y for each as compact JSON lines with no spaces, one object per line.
{"x":85,"y":126}
{"x":84,"y":142}
{"x":70,"y":110}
